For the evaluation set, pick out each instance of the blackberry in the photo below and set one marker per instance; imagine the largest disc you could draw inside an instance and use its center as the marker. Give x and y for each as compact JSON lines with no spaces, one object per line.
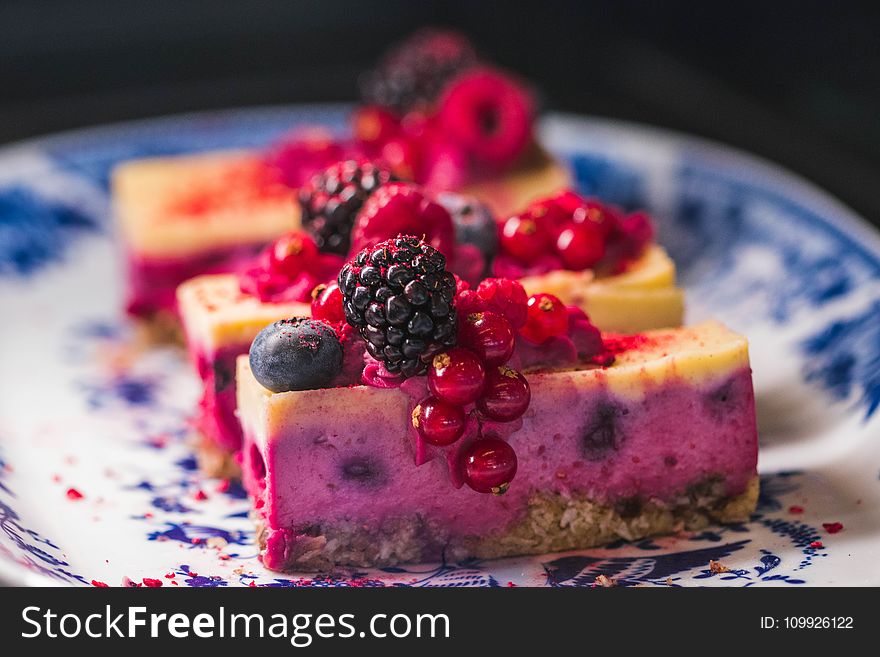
{"x":414,"y":74}
{"x":399,"y":295}
{"x":333,"y":197}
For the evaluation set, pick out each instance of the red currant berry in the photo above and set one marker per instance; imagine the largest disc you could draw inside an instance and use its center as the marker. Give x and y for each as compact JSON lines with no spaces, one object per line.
{"x":290,"y":254}
{"x":525,"y":238}
{"x":489,"y":465}
{"x":456,"y":376}
{"x":437,"y":422}
{"x":581,"y":246}
{"x":506,"y":396}
{"x":489,"y":335}
{"x":327,"y":303}
{"x":550,"y":215}
{"x":547,"y":318}
{"x":597,"y":215}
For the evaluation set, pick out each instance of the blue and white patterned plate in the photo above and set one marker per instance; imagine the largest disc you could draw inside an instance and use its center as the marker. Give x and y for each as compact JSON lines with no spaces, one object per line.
{"x":82,"y":413}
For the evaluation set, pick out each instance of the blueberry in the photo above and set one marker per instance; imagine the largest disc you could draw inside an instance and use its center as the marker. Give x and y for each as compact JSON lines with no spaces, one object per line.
{"x":474,"y":222}
{"x":223,"y":374}
{"x":363,"y":470}
{"x":296,"y":354}
{"x":602,"y":433}
{"x":720,"y":401}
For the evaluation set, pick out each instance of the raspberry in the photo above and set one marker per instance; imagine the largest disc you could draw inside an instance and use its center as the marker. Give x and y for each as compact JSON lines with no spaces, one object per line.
{"x":399,"y":295}
{"x":414,"y":73}
{"x":489,"y":115}
{"x":443,"y":164}
{"x":403,"y":209}
{"x":505,"y":296}
{"x":333,"y":197}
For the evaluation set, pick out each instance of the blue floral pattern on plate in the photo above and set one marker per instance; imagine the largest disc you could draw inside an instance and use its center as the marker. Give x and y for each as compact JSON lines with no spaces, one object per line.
{"x":757,"y":248}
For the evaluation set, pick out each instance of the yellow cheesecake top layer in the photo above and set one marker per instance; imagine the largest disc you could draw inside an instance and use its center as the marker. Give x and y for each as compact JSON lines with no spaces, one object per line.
{"x":216,"y":313}
{"x":697,"y":355}
{"x":169,"y":207}
{"x":643,"y":297}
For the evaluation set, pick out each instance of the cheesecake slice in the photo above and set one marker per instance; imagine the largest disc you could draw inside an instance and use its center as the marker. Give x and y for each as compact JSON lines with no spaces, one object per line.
{"x":220,"y":321}
{"x":643,"y":297}
{"x":183,"y":216}
{"x":663,"y":439}
{"x":188,"y":215}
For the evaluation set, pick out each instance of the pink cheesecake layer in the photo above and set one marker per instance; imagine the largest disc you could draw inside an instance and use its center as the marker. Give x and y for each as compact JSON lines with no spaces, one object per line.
{"x":215,"y":419}
{"x":335,"y":466}
{"x":152,"y":282}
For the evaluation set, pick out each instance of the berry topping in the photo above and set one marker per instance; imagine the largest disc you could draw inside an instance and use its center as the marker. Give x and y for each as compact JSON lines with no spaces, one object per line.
{"x":581,"y":246}
{"x":414,"y":73}
{"x":588,"y":211}
{"x":300,"y":155}
{"x":506,"y":395}
{"x":569,"y":232}
{"x":438,"y":422}
{"x":333,"y":197}
{"x":296,"y":354}
{"x":474,"y":222}
{"x":489,"y":335}
{"x":288,"y":270}
{"x":403,"y":156}
{"x":290,"y":254}
{"x":525,"y":238}
{"x":489,"y":465}
{"x":489,"y":115}
{"x":456,"y":376}
{"x":631,"y":237}
{"x":374,"y":126}
{"x":547,"y":318}
{"x":327,"y":303}
{"x":399,"y":295}
{"x":403,"y":209}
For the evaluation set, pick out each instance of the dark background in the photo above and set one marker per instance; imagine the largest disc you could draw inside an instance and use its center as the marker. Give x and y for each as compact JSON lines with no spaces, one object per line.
{"x":796,"y":82}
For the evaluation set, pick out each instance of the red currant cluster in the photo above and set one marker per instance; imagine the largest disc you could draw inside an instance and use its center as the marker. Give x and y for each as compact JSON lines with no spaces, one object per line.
{"x":481,"y":122}
{"x":570,"y":232}
{"x":288,"y":270}
{"x":473,"y":380}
